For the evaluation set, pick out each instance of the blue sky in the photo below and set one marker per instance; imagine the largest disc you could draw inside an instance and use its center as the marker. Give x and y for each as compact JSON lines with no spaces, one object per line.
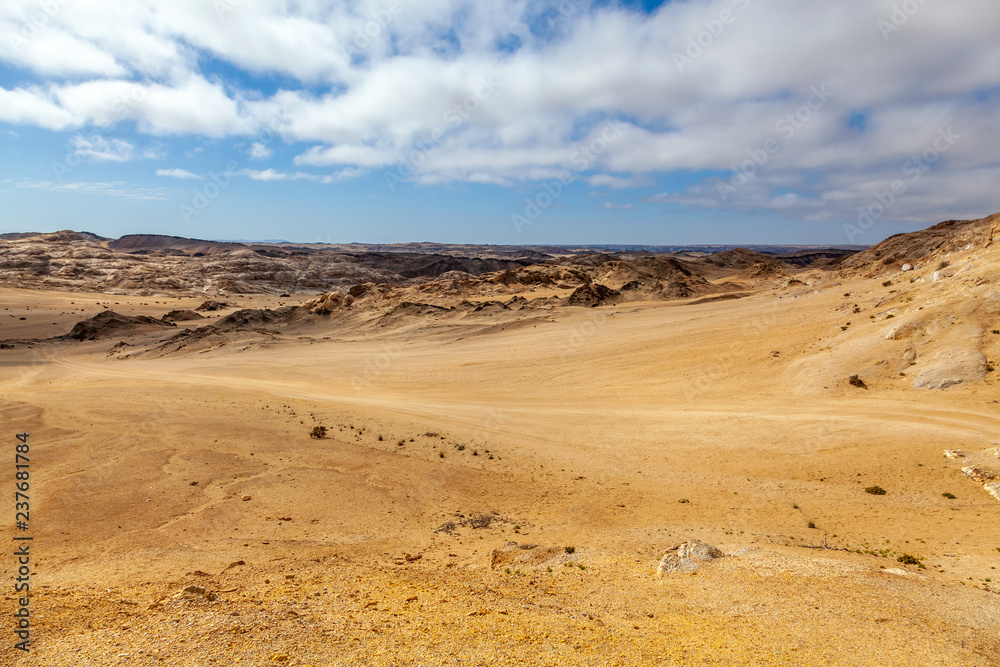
{"x":517,"y":122}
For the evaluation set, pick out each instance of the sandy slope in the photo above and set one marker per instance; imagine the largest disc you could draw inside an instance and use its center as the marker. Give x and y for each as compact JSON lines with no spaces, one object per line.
{"x":586,"y":428}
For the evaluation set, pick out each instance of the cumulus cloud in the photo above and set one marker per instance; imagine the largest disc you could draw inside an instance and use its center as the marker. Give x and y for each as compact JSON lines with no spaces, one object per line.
{"x":176,"y":173}
{"x":810,"y":106}
{"x":259,"y":151}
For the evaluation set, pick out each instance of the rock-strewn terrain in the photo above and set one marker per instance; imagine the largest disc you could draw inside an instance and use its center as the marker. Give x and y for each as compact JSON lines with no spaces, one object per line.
{"x":133,"y":265}
{"x":536,"y":465}
{"x":151,"y":264}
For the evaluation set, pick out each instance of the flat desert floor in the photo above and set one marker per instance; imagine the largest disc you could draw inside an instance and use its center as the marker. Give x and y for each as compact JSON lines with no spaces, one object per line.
{"x":617,"y":431}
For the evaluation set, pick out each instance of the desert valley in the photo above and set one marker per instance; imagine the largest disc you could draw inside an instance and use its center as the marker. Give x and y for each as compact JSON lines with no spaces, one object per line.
{"x":256,"y":454}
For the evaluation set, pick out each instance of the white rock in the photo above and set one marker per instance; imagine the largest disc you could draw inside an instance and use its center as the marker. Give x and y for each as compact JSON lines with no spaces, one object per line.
{"x":978,"y":473}
{"x":898,"y":571}
{"x":685,"y":557}
{"x":900,"y":330}
{"x":951,"y":367}
{"x":907,"y":267}
{"x":993,"y":488}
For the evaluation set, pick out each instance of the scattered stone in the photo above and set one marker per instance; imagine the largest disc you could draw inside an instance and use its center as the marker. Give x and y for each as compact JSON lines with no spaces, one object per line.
{"x":954,"y":454}
{"x":907,"y":267}
{"x":246,"y":497}
{"x":856,"y":381}
{"x":685,"y":557}
{"x":198,"y":590}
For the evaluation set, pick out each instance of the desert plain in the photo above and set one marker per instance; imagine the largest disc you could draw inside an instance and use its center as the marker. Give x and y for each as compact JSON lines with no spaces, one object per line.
{"x":183,"y":514}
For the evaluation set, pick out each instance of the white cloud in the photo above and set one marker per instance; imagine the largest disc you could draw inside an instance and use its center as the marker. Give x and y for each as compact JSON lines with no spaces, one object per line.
{"x":110,"y":188}
{"x":32,"y":106}
{"x":336,"y":177}
{"x":259,"y":151}
{"x":176,"y":173}
{"x":266,"y":175}
{"x":427,"y":88}
{"x":617,"y":182}
{"x":99,"y":148}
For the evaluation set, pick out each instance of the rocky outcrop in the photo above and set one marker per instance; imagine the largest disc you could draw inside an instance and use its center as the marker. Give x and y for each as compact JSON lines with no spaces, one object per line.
{"x":110,"y":323}
{"x":211,"y":305}
{"x":951,"y":367}
{"x":182,"y":316}
{"x":685,"y":557}
{"x":914,"y":247}
{"x":592,"y":295}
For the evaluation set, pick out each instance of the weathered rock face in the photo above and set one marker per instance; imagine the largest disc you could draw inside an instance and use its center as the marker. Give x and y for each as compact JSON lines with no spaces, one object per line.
{"x":952,"y":367}
{"x":895,"y":251}
{"x":250,"y":319}
{"x":685,"y":557}
{"x":182,"y":316}
{"x":150,"y":264}
{"x":592,"y":295}
{"x":979,"y":466}
{"x":110,"y":323}
{"x":993,"y":488}
{"x":212,"y":305}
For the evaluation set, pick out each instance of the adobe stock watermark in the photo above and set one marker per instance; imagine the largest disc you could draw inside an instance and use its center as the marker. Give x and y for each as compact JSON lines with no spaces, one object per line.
{"x":121,"y":110}
{"x":378,"y":21}
{"x":582,"y":159}
{"x":225,"y":7}
{"x":714,"y":28}
{"x":899,"y":17}
{"x":48,"y":9}
{"x":581,"y":334}
{"x":376,"y":366}
{"x":914,"y":169}
{"x":453,"y":117}
{"x":203,"y":196}
{"x":764,"y":319}
{"x":787,"y":127}
{"x":563,"y":11}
